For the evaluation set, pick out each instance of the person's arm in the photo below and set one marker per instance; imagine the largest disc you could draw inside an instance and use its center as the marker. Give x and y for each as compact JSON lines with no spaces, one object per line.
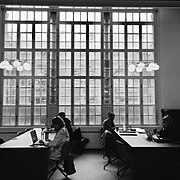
{"x":57,"y":139}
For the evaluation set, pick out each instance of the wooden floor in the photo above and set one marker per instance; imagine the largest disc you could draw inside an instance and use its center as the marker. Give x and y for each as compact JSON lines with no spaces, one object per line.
{"x":89,"y":166}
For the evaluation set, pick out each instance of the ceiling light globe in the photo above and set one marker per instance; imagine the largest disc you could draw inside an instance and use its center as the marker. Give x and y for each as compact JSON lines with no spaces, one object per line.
{"x":19,"y":68}
{"x":138,"y":69}
{"x":9,"y":68}
{"x":156,"y":66}
{"x":141,"y":65}
{"x":149,"y":69}
{"x":27,"y":66}
{"x":131,"y":68}
{"x":5,"y":63}
{"x":16,"y":63}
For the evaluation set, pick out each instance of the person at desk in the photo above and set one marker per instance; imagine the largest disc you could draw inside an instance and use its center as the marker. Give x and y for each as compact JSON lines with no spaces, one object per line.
{"x":168,"y":131}
{"x":67,"y":123}
{"x":108,"y":125}
{"x":60,"y":138}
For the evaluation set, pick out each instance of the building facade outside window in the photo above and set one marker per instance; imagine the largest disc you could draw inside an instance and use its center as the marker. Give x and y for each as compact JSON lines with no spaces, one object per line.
{"x":79,"y":59}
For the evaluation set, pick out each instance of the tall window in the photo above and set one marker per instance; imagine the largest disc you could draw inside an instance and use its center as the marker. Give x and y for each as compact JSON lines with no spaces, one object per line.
{"x":79,"y":58}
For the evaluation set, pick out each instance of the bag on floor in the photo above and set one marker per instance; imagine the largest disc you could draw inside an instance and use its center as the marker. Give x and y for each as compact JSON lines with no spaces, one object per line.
{"x":69,"y":167}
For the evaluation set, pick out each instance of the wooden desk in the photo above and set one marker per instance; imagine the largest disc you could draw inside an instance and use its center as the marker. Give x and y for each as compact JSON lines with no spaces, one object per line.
{"x":151,"y":160}
{"x":19,"y":160}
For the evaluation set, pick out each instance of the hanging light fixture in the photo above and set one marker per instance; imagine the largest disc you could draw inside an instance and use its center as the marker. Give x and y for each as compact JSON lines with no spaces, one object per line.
{"x":15,"y":64}
{"x":139,"y":67}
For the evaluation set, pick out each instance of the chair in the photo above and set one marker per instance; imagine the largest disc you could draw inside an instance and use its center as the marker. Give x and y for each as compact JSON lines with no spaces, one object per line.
{"x":59,"y":162}
{"x":116,"y":150}
{"x":124,"y":156}
{"x":110,"y":148}
{"x":101,"y":136}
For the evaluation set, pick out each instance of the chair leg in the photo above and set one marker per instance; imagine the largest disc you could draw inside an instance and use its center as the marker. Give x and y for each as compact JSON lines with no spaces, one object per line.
{"x":52,"y":171}
{"x":109,"y":162}
{"x":123,"y":170}
{"x":62,"y":171}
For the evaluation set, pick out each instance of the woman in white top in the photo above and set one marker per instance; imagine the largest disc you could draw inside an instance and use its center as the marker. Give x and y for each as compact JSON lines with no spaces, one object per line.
{"x":60,"y":138}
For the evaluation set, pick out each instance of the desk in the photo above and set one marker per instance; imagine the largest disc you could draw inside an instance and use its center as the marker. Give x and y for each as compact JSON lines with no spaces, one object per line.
{"x":19,"y":160}
{"x":151,"y":160}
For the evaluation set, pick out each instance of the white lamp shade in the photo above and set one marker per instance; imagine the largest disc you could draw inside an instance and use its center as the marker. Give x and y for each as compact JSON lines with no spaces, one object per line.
{"x":9,"y":68}
{"x":27,"y":66}
{"x":131,"y":68}
{"x":1,"y":66}
{"x":141,"y":65}
{"x":149,"y":69}
{"x":156,"y":66}
{"x":5,"y":63}
{"x":16,"y":63}
{"x":19,"y":68}
{"x":139,"y":69}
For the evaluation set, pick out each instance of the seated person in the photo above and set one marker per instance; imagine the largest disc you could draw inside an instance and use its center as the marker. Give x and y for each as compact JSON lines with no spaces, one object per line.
{"x":108,"y":124}
{"x":60,"y":138}
{"x":67,"y":123}
{"x":168,"y":131}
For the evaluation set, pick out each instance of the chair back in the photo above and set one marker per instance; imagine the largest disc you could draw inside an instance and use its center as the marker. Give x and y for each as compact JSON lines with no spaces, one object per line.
{"x":110,"y":143}
{"x":65,"y":150}
{"x":121,"y":150}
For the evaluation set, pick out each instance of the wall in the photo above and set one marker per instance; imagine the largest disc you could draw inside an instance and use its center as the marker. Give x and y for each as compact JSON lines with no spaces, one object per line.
{"x":169,"y":58}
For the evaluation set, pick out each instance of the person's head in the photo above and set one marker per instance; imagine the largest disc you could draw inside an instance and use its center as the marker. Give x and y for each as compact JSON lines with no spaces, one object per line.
{"x":166,"y":121}
{"x":57,"y":123}
{"x":62,"y":115}
{"x":111,"y":116}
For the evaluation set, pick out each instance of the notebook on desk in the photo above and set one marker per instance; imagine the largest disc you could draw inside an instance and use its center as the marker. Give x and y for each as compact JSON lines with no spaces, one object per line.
{"x":128,"y":133}
{"x":35,"y":139}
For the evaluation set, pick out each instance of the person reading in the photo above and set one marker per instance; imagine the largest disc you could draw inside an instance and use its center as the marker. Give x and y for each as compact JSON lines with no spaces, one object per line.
{"x":60,"y":137}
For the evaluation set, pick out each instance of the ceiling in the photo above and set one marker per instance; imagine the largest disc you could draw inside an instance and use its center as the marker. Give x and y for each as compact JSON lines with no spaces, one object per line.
{"x":125,"y":3}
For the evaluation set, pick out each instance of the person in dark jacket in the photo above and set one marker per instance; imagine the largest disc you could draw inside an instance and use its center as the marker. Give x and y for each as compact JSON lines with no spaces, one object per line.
{"x":168,"y":130}
{"x":67,"y":123}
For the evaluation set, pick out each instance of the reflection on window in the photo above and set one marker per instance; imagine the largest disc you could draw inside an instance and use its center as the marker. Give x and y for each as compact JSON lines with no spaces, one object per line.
{"x":65,"y":96}
{"x":41,"y":63}
{"x":118,"y":37}
{"x":9,"y":100}
{"x":41,"y":36}
{"x":65,"y":64}
{"x":40,"y":95}
{"x":80,"y":64}
{"x":94,"y":36}
{"x":95,"y":101}
{"x":94,"y":64}
{"x":65,"y":36}
{"x":10,"y":36}
{"x":26,"y":36}
{"x":80,"y":101}
{"x":25,"y":91}
{"x":80,"y":36}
